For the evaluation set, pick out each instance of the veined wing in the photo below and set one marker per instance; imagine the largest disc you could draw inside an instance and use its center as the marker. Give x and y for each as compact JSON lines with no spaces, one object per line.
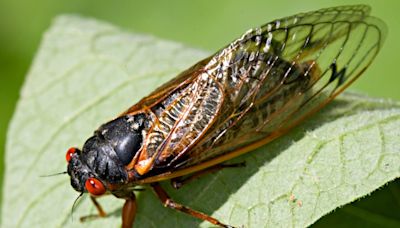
{"x":275,"y":76}
{"x":162,"y":92}
{"x":169,"y":109}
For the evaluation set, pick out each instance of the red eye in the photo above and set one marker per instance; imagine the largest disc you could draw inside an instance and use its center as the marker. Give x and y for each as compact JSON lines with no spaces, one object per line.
{"x":94,"y":186}
{"x":70,"y":152}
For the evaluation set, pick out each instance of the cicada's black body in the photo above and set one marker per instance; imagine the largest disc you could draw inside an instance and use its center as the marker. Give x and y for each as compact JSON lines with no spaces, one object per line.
{"x":247,"y":94}
{"x":105,"y":154}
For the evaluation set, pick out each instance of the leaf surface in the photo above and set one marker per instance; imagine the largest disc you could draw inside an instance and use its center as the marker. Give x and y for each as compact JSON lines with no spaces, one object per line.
{"x":86,"y":72}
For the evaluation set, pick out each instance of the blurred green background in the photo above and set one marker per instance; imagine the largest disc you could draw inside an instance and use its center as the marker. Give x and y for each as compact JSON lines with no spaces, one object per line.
{"x":207,"y":24}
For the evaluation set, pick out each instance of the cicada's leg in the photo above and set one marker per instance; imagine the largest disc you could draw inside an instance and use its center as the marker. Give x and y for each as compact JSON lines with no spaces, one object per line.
{"x":129,"y":211}
{"x":101,"y":212}
{"x":180,"y":181}
{"x":168,"y":202}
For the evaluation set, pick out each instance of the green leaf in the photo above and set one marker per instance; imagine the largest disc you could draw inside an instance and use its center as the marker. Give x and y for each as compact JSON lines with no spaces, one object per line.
{"x":86,"y":72}
{"x":381,"y":209}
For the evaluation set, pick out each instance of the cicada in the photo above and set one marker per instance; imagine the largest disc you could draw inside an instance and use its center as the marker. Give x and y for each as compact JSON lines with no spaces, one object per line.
{"x":245,"y":95}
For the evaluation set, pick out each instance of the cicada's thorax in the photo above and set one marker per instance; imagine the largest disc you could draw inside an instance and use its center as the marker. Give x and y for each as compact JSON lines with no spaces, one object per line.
{"x":105,"y":154}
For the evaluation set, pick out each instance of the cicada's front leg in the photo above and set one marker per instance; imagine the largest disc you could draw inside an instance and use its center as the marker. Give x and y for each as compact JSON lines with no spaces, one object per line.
{"x":129,"y":211}
{"x":101,"y":212}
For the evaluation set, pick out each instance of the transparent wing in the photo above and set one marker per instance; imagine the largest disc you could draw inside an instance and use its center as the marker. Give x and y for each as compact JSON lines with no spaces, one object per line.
{"x":184,"y":78}
{"x":277,"y":75}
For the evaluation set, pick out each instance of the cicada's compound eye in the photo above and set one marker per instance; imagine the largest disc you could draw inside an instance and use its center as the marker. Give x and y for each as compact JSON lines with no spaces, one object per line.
{"x":70,"y":152}
{"x":94,"y":186}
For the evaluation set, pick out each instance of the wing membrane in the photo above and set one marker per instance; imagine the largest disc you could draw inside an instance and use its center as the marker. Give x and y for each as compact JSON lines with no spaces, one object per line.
{"x":271,"y":79}
{"x":285,"y":71}
{"x":183,"y":79}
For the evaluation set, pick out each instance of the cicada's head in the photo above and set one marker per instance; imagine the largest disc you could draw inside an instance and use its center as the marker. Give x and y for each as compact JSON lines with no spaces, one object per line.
{"x":103,"y":158}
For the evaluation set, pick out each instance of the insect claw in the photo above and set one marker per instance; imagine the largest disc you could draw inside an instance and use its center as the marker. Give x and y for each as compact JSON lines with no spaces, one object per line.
{"x":176,"y":184}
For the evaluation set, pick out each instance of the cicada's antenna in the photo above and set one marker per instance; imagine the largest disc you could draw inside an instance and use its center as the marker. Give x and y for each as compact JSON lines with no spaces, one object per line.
{"x":55,"y":174}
